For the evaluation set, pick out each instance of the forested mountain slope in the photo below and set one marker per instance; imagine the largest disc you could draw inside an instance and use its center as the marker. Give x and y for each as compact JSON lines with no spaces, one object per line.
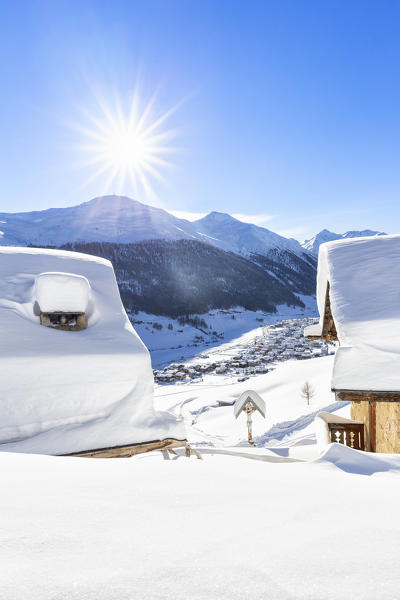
{"x":186,"y":276}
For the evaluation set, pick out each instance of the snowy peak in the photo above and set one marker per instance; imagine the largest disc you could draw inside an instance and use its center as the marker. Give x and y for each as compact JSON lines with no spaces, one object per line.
{"x":363,"y":233}
{"x":325,"y":235}
{"x":285,"y":259}
{"x":217,"y":217}
{"x":120,"y":219}
{"x":104,"y":219}
{"x":243,"y":238}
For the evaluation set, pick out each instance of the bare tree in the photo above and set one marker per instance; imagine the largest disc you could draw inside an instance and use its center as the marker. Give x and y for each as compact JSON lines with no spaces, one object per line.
{"x":307,"y":392}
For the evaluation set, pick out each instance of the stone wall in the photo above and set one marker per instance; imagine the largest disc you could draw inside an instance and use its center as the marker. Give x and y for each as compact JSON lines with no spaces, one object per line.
{"x":387,"y":424}
{"x":388,"y":427}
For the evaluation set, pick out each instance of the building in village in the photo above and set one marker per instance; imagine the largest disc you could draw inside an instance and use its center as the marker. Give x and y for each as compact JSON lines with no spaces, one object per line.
{"x":74,"y":376}
{"x":358,"y":289}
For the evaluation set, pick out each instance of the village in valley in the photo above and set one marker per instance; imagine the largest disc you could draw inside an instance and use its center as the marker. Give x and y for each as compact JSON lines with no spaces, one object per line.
{"x":277,"y":342}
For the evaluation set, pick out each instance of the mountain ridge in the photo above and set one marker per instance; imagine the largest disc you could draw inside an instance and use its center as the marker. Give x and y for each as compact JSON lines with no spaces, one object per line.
{"x":131,"y":234}
{"x":243,"y":238}
{"x":122,"y":220}
{"x":312,"y":245}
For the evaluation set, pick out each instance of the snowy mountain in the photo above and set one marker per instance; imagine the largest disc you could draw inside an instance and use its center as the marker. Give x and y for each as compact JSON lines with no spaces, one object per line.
{"x":107,"y":218}
{"x":120,"y":220}
{"x":246,"y":239}
{"x":325,"y":235}
{"x":285,"y":259}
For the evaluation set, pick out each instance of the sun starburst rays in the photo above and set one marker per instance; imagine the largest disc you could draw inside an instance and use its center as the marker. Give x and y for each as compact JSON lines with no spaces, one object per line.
{"x":127,"y":147}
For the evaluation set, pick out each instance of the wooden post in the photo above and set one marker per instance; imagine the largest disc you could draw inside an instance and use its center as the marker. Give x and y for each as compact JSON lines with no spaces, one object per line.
{"x":249,"y":410}
{"x":372,"y":424}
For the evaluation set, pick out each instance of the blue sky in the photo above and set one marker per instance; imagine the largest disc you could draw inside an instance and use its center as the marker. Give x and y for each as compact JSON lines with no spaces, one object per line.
{"x":287,"y":112}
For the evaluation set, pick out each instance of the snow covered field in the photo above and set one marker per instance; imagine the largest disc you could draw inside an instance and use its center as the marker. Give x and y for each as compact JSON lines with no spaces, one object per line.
{"x":289,"y":420}
{"x":173,"y":341}
{"x":222,"y":528}
{"x":288,"y":525}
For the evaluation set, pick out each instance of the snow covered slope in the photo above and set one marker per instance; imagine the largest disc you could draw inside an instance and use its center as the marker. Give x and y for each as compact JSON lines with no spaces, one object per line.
{"x":325,"y":235}
{"x":243,"y":238}
{"x":207,"y":406}
{"x":107,"y":218}
{"x":119,"y":220}
{"x":63,"y":391}
{"x":263,"y":522}
{"x":221,"y":528}
{"x":122,"y":220}
{"x":241,"y":523}
{"x":283,"y":258}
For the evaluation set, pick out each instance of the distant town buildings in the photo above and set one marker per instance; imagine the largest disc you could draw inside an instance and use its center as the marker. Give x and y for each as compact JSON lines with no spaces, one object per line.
{"x":279,"y":342}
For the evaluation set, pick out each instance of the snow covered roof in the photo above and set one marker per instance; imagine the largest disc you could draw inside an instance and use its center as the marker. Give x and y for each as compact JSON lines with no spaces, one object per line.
{"x":64,"y":292}
{"x":364,"y":291}
{"x":249,"y":396}
{"x":63,"y":391}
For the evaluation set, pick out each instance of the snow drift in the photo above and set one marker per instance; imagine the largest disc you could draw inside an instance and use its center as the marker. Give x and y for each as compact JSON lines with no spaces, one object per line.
{"x":64,"y":391}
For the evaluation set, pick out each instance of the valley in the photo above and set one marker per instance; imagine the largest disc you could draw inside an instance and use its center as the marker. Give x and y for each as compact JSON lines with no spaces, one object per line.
{"x":251,"y":354}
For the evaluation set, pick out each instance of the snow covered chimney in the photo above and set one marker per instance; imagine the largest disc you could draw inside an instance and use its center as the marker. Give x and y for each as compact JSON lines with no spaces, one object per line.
{"x":63,"y":299}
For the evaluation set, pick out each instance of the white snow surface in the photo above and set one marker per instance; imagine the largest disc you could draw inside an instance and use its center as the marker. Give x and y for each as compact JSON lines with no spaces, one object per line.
{"x":241,"y":523}
{"x":364,"y":275}
{"x":208,"y":406}
{"x":280,"y":521}
{"x":62,"y":391}
{"x":62,"y":292}
{"x":224,"y":528}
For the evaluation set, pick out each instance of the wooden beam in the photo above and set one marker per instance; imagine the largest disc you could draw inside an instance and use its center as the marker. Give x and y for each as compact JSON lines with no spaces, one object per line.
{"x":132,"y":449}
{"x":372,"y":425}
{"x":366,"y":396}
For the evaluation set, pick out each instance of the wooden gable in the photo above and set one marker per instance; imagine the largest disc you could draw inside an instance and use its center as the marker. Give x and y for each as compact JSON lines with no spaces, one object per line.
{"x":329,"y":332}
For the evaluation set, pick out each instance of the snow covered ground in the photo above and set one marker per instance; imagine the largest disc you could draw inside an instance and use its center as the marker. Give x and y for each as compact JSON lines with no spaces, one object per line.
{"x":223,"y":528}
{"x":279,"y":521}
{"x":175,"y":342}
{"x":207,"y":406}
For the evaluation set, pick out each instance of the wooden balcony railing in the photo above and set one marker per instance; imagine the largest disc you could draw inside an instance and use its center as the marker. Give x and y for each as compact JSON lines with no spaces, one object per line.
{"x":349,"y":434}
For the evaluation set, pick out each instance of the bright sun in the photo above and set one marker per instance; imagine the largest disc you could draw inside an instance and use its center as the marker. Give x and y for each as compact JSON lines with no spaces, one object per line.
{"x":128,"y":147}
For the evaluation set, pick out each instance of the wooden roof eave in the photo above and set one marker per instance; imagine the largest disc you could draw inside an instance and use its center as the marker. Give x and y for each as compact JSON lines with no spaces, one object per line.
{"x":367,"y":395}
